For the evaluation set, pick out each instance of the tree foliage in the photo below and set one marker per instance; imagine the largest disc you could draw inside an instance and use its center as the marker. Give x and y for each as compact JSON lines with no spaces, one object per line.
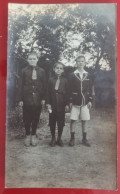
{"x":61,"y":32}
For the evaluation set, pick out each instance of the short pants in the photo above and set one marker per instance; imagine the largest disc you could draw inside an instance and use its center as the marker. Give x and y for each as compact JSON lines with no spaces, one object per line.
{"x":78,"y":112}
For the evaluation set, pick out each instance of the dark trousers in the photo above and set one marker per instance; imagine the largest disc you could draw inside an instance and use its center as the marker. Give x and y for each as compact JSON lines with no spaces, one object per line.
{"x":59,"y":118}
{"x":31,"y":115}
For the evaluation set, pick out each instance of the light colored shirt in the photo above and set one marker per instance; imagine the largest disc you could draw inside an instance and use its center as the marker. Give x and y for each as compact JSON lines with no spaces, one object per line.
{"x":80,"y":73}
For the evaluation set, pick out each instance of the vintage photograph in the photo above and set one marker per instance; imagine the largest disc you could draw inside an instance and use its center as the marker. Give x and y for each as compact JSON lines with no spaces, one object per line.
{"x":61,"y":123}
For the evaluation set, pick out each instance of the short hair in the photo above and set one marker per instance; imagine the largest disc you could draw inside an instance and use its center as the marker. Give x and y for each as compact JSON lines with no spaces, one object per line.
{"x":59,"y":63}
{"x":79,"y":57}
{"x":32,"y":53}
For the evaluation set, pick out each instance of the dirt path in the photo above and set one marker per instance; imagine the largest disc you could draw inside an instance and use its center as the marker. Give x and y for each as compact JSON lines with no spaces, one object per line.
{"x":67,"y":167}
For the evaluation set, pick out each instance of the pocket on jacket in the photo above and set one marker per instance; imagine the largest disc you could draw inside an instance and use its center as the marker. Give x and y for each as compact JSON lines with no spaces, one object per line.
{"x":74,"y":98}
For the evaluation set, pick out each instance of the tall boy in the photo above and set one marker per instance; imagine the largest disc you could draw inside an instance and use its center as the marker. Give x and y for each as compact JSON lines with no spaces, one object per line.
{"x":57,"y":101}
{"x":81,"y":99}
{"x":31,"y":96}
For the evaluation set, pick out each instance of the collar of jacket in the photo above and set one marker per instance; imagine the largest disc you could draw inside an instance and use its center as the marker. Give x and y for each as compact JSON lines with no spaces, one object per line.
{"x":77,"y":73}
{"x":84,"y":72}
{"x":31,"y":67}
{"x":56,"y":77}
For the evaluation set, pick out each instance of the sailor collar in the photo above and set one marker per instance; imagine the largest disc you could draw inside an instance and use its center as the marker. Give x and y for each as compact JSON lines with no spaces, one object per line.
{"x":77,"y":74}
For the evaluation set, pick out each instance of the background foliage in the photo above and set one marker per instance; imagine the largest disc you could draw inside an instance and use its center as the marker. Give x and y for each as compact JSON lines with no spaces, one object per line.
{"x":62,"y":32}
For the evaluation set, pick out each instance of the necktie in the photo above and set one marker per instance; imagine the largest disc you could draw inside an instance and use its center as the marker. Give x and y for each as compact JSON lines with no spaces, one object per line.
{"x":57,"y":84}
{"x":34,"y":74}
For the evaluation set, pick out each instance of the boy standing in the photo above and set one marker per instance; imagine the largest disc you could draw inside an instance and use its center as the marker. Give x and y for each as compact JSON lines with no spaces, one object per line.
{"x":57,"y":101}
{"x":81,"y":99}
{"x":31,"y":96}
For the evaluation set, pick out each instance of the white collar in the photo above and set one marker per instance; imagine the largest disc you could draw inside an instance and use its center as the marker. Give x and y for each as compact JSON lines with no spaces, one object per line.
{"x":76,"y":71}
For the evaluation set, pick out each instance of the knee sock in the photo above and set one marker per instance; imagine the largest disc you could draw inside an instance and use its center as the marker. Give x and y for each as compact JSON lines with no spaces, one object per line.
{"x":52,"y":129}
{"x":60,"y":130}
{"x":84,"y":135}
{"x":72,"y":135}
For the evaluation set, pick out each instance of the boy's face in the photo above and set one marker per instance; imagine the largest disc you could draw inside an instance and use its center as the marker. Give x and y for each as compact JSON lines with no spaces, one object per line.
{"x":32,"y":60}
{"x":80,"y":62}
{"x":58,"y":69}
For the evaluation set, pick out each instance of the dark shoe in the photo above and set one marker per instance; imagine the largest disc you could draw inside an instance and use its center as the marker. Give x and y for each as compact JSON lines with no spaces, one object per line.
{"x":52,"y":143}
{"x":84,"y":140}
{"x":72,"y":142}
{"x":59,"y":142}
{"x":85,"y":143}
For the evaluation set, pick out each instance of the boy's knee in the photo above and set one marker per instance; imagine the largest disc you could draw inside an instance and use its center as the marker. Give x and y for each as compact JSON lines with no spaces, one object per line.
{"x":72,"y":121}
{"x":84,"y":122}
{"x":72,"y":127}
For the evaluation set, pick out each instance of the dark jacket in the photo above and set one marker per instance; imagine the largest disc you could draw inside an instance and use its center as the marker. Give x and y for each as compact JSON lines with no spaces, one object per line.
{"x":58,"y":99}
{"x":31,"y":92}
{"x":80,"y":89}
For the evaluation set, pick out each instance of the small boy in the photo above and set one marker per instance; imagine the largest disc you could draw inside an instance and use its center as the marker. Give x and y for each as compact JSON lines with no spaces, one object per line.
{"x":81,"y":99}
{"x":31,"y":97}
{"x":57,"y":102}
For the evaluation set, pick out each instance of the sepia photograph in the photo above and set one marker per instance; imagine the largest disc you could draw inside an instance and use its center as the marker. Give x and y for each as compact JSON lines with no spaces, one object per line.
{"x":61,"y":103}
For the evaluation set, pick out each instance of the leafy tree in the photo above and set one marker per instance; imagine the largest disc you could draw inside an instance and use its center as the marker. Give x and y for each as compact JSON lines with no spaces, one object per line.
{"x":61,"y":32}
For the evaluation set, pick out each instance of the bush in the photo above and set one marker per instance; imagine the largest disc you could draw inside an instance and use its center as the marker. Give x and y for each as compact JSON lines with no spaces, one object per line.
{"x":15,"y":121}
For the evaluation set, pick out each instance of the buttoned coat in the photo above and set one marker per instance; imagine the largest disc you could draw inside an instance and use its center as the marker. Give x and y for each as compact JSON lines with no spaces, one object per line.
{"x":58,"y":99}
{"x":31,"y":92}
{"x":80,"y":89}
